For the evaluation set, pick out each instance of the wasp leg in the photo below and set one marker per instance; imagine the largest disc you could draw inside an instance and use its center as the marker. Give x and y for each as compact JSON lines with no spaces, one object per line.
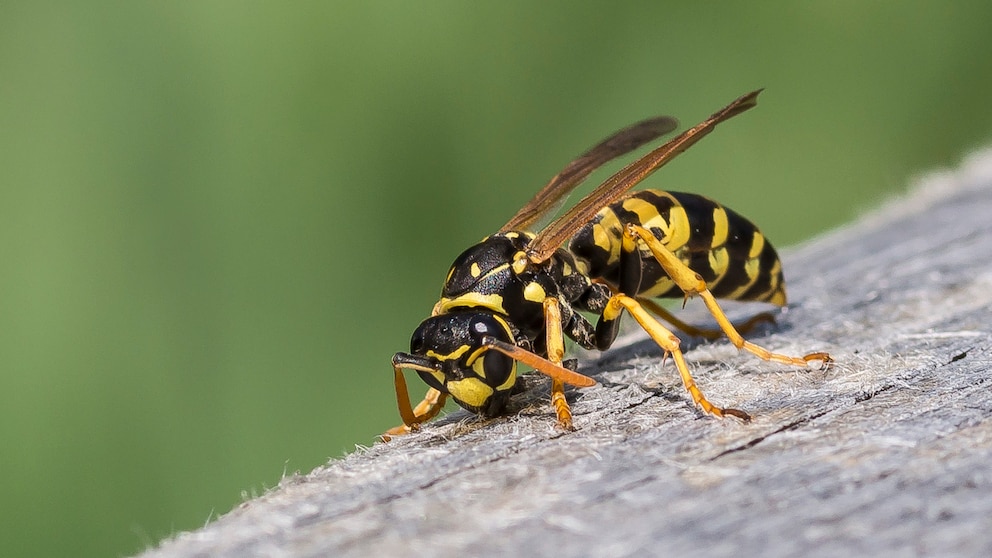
{"x":558,"y":371}
{"x":556,"y":351}
{"x":670,"y":343}
{"x":705,"y":333}
{"x":692,"y":284}
{"x":427,"y":409}
{"x":552,"y":366}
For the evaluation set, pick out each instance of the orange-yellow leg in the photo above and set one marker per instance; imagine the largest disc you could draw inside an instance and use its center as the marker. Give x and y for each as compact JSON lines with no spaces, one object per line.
{"x":670,"y":343}
{"x":427,"y":409}
{"x":706,"y":333}
{"x":556,"y":352}
{"x":434,"y":401}
{"x":693,"y":284}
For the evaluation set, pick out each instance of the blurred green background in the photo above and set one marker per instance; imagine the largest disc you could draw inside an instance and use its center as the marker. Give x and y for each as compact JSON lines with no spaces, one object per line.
{"x":218,"y":220}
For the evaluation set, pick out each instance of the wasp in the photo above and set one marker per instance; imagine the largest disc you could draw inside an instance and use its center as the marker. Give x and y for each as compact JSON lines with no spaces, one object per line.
{"x":514,"y":297}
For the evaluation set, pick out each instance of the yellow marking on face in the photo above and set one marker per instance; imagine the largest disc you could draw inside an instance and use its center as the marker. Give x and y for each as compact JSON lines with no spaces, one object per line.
{"x":475,"y":270}
{"x":471,"y":391}
{"x":534,"y":292}
{"x":510,"y":380}
{"x":512,"y":235}
{"x":720,"y":227}
{"x":453,"y":355}
{"x":566,"y":269}
{"x":493,"y":302}
{"x":757,"y":245}
{"x":479,"y":366}
{"x":505,"y":325}
{"x":472,"y":358}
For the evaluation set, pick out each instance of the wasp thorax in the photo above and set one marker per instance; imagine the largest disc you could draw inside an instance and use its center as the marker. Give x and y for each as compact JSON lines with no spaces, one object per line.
{"x":486,"y":265}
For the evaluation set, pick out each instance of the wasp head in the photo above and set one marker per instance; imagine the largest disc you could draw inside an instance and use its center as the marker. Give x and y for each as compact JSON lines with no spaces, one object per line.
{"x":451,"y":353}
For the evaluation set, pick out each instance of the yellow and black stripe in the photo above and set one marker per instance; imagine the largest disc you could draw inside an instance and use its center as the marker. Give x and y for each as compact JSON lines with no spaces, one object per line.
{"x":728,"y":251}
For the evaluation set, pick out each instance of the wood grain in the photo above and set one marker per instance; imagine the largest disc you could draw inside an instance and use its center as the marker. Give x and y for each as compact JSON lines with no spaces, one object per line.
{"x":887,"y":453}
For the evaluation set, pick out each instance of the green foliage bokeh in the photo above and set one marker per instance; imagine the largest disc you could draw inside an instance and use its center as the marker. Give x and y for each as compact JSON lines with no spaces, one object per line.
{"x":218,"y":220}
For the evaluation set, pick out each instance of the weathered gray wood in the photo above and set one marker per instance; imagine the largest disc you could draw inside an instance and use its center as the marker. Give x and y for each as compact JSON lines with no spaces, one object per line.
{"x":887,"y":453}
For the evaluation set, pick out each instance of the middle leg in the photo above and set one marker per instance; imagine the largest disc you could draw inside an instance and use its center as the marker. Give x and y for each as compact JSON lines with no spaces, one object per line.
{"x":667,"y":341}
{"x":556,"y":352}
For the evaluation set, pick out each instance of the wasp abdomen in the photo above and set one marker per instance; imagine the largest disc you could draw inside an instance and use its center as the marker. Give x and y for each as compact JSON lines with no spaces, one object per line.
{"x":727,"y":250}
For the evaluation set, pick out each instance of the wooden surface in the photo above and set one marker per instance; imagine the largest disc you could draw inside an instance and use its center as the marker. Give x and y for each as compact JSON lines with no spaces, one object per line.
{"x":887,"y":453}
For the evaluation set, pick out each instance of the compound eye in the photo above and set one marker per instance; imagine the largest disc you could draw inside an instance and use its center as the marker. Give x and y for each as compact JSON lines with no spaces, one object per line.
{"x":498,"y":368}
{"x":417,"y":341}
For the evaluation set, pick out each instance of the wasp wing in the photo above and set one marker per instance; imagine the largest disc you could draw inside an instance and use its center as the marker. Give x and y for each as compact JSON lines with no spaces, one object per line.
{"x":552,"y":237}
{"x":554,"y":193}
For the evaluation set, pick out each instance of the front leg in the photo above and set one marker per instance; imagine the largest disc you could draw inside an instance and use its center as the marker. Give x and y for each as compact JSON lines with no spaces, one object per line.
{"x":427,"y":409}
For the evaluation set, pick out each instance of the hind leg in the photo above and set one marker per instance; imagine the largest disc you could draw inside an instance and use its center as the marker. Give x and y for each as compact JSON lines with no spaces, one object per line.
{"x":692,"y":284}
